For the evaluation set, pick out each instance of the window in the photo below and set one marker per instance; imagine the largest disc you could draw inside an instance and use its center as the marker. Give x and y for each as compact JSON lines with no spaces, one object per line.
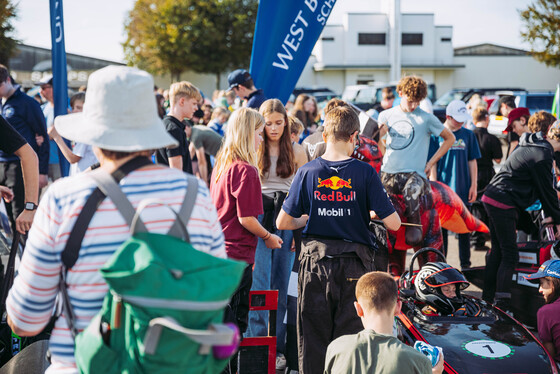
{"x":445,"y":39}
{"x":327,"y":39}
{"x":371,"y":39}
{"x":411,"y":39}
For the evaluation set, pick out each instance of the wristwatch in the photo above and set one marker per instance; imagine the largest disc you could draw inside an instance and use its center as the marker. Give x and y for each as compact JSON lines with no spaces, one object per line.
{"x":30,"y":206}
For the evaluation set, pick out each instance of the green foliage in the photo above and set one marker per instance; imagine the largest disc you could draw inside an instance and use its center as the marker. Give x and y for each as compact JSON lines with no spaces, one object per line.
{"x":204,"y":36}
{"x":542,"y":30}
{"x":7,"y":42}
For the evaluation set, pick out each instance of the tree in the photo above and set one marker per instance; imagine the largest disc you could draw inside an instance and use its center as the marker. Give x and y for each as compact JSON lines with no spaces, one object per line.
{"x":205,"y":36}
{"x":542,"y":25}
{"x":7,"y":42}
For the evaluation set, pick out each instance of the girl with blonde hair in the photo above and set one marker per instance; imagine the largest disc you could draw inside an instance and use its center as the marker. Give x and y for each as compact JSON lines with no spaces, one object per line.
{"x":277,"y":164}
{"x":234,"y":185}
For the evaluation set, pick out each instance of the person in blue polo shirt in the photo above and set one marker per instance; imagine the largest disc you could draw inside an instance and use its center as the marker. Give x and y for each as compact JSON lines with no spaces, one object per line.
{"x":24,"y":114}
{"x":241,"y":83}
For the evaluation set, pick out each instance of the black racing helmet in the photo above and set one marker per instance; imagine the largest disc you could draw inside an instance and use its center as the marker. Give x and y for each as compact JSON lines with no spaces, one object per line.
{"x":429,"y":280}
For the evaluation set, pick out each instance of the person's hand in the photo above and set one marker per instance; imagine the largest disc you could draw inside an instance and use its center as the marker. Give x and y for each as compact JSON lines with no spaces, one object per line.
{"x":43,"y":180}
{"x":273,"y":242}
{"x":24,"y":221}
{"x":39,"y":140}
{"x":472,"y":194}
{"x":557,"y":233}
{"x":6,"y":193}
{"x":53,"y":134}
{"x":429,"y":166}
{"x":383,"y":130}
{"x":438,"y":369}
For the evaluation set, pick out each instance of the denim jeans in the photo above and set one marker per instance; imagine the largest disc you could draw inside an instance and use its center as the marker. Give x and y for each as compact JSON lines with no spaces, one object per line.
{"x":272,"y":272}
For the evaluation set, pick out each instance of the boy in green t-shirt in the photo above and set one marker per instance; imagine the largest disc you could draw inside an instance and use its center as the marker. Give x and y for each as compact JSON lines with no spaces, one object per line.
{"x":375,"y":349}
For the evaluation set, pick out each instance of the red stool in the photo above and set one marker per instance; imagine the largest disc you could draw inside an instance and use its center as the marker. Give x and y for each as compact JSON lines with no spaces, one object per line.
{"x":257,"y":354}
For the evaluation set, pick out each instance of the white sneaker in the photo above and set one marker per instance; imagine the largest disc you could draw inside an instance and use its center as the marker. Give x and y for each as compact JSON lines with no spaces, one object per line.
{"x":280,"y":362}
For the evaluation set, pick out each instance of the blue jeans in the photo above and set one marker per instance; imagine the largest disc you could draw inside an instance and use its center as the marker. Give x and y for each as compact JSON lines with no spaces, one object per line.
{"x":272,"y":272}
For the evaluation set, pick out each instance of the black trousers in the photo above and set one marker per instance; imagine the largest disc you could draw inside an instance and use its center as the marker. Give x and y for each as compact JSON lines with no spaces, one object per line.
{"x":12,"y":177}
{"x":326,"y":295}
{"x":504,"y":254}
{"x":237,"y":311}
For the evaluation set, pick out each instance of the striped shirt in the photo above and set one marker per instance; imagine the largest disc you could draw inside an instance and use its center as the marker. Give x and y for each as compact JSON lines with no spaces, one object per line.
{"x":32,"y":297}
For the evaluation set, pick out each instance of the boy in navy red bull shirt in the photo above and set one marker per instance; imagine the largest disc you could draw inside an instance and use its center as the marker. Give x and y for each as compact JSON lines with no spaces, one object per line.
{"x":333,"y":196}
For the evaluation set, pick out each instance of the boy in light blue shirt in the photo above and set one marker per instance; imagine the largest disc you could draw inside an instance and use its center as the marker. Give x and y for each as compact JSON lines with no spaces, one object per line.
{"x":407,"y":130}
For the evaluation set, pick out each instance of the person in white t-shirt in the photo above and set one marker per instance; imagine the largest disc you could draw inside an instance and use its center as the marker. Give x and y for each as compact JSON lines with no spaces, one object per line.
{"x":81,"y":156}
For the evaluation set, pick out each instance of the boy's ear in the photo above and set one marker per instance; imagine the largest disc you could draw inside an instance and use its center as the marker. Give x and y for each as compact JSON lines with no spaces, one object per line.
{"x":359,"y":310}
{"x":324,"y":136}
{"x":398,"y":306}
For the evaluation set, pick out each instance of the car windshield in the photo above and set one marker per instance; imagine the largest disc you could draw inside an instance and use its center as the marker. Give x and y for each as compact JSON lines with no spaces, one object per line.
{"x":365,"y":95}
{"x":449,"y":97}
{"x":539,"y":102}
{"x":350,"y":93}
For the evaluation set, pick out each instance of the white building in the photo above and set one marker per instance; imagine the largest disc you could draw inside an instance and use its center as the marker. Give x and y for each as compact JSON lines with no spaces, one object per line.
{"x":357,"y":51}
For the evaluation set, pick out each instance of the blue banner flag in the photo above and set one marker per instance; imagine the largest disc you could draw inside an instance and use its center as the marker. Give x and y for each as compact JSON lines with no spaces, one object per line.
{"x":60,"y":75}
{"x":285,"y":34}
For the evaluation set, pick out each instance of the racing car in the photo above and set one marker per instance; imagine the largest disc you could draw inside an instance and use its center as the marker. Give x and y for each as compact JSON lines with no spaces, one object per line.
{"x":485,"y":341}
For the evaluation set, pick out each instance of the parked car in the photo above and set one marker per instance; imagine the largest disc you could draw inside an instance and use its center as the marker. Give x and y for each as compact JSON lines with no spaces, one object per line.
{"x":534,"y":101}
{"x":312,"y":91}
{"x":365,"y":96}
{"x":465,"y":95}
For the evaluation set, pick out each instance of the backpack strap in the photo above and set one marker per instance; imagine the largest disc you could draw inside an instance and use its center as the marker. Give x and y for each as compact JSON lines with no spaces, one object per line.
{"x":71,"y":251}
{"x":9,"y":276}
{"x":132,"y":216}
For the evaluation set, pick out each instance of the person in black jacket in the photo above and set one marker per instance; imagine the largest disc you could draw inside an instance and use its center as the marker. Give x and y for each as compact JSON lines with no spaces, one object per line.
{"x":525,"y":177}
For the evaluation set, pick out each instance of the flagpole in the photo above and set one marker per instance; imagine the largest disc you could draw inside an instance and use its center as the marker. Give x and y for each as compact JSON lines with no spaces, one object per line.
{"x":60,"y":74}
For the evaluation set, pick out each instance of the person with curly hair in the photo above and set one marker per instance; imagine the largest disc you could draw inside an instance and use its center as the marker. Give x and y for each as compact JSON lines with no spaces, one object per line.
{"x":406,"y":129}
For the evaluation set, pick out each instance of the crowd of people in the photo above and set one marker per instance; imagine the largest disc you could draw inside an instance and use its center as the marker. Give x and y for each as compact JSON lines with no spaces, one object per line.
{"x":269,"y":201}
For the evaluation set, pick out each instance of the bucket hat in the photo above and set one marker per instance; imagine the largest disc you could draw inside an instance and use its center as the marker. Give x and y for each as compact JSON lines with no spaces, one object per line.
{"x":119,"y":113}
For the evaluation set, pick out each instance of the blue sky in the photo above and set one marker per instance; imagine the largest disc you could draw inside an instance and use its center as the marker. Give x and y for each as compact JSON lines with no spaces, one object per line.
{"x":95,"y":28}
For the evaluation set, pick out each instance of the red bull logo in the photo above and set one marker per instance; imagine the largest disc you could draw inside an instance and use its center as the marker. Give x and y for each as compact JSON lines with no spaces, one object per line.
{"x":334,"y":183}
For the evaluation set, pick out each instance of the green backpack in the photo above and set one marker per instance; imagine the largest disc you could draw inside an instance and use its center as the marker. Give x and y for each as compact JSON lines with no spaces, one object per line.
{"x":165,"y":306}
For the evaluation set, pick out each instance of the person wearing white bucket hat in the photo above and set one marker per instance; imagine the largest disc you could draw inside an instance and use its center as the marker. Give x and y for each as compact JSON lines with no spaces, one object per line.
{"x":120,"y":121}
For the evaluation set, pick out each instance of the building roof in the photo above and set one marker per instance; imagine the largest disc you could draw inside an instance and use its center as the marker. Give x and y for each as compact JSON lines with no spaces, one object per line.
{"x":488,"y":49}
{"x":31,"y":58}
{"x":323,"y":67}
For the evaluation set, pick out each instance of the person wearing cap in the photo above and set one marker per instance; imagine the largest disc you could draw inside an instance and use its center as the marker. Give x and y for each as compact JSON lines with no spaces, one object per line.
{"x":518,"y":121}
{"x":458,"y":168}
{"x":46,"y":85}
{"x":548,"y":316}
{"x":120,"y":121}
{"x":523,"y":178}
{"x":241,"y":83}
{"x":505,"y":105}
{"x":24,"y":114}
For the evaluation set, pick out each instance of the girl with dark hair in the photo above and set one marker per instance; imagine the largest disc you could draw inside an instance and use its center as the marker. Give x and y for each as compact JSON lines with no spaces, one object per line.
{"x":278,"y":161}
{"x":305,"y":109}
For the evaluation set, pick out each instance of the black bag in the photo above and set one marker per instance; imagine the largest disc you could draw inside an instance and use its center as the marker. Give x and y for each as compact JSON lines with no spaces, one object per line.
{"x":10,"y":343}
{"x":271,"y":208}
